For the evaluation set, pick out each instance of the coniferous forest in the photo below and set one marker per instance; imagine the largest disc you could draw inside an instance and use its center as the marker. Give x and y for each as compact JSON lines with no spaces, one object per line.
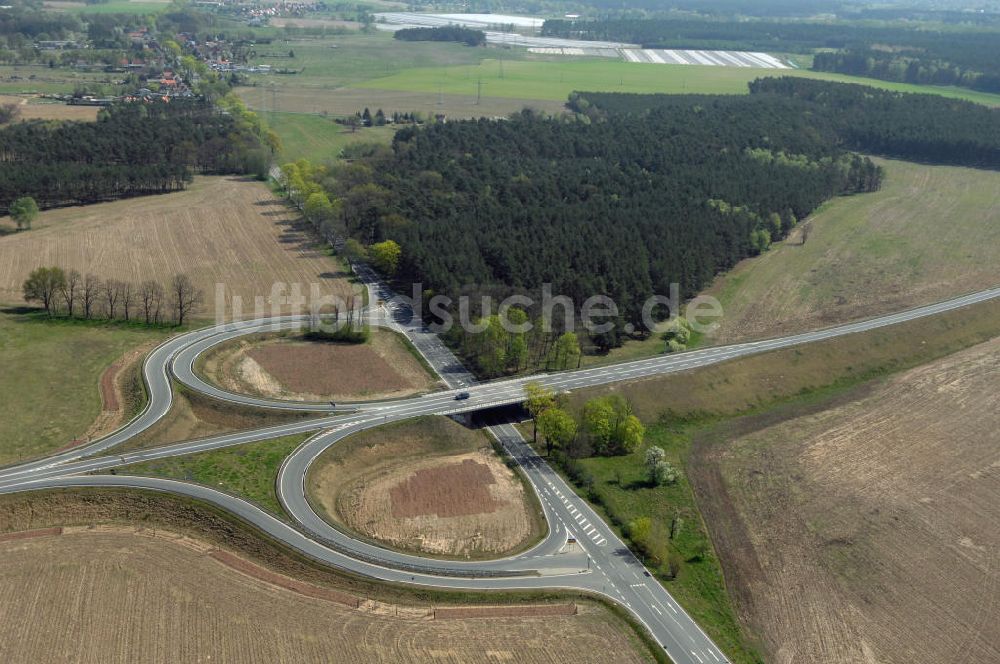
{"x":636,"y":192}
{"x":619,"y":204}
{"x":133,"y":149}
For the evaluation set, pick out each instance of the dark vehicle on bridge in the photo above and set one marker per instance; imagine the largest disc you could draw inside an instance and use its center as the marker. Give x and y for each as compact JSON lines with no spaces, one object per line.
{"x":461,"y":396}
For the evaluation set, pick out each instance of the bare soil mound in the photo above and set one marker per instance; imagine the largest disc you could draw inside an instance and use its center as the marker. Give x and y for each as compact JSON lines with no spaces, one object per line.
{"x":453,"y":489}
{"x":291,"y":368}
{"x":430,"y":486}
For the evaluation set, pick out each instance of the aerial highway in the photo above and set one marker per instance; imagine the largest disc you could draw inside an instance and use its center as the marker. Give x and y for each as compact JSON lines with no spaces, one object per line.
{"x":579,"y":552}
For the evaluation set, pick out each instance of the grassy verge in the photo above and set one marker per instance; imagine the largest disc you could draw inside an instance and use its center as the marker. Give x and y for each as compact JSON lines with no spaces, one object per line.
{"x":51,"y":369}
{"x":682,"y":410}
{"x":412,"y":350}
{"x":619,"y":489}
{"x":248,"y":471}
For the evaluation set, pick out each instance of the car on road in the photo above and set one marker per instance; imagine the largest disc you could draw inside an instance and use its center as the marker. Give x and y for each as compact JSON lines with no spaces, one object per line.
{"x":462,"y":396}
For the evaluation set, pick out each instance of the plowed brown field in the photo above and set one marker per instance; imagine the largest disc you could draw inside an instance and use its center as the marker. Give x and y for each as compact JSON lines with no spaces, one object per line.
{"x":120,"y":597}
{"x":867,"y":532}
{"x":228,"y":231}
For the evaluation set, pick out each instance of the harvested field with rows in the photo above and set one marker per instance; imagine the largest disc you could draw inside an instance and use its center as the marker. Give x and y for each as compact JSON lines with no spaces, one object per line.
{"x":429,"y":485}
{"x":222,"y":230}
{"x":865,"y":530}
{"x":114,"y":596}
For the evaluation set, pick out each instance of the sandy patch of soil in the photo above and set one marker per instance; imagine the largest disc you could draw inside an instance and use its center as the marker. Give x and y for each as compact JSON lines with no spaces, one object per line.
{"x":866,"y":532}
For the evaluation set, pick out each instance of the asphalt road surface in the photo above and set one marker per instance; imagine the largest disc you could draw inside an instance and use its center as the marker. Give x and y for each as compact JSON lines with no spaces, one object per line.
{"x":579,"y":551}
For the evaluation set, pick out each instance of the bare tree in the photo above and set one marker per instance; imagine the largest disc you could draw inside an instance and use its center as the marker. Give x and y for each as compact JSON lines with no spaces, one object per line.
{"x":150,"y":299}
{"x":70,"y":291}
{"x":89,"y":292}
{"x":126,"y":292}
{"x":112,"y":293}
{"x":804,"y":234}
{"x":184,"y":297}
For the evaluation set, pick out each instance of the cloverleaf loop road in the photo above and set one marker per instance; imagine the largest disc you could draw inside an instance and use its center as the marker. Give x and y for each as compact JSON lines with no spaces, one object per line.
{"x":580,"y":551}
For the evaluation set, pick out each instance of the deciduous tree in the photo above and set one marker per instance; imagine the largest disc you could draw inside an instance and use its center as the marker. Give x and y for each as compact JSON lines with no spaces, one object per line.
{"x":150,"y":300}
{"x":538,"y":399}
{"x":89,"y":293}
{"x":23,"y":211}
{"x":71,"y":290}
{"x":185,"y":297}
{"x":385,"y":256}
{"x":43,"y":285}
{"x":558,"y":427}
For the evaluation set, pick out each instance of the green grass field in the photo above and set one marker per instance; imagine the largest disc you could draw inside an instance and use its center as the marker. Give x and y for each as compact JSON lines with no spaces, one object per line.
{"x":49,"y":378}
{"x":42,"y":79}
{"x":319,"y":138}
{"x":554,"y":80}
{"x":249,"y":471}
{"x":113,"y":7}
{"x":349,"y":59}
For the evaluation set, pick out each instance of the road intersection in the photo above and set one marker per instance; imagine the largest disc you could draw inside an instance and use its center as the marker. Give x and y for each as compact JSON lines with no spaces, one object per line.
{"x":597,"y":561}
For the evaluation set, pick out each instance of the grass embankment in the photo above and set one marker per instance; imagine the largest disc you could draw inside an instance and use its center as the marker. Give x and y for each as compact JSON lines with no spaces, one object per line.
{"x":193,"y":415}
{"x":358,"y":467}
{"x":248,"y":471}
{"x":678,"y":408}
{"x":930,"y":233}
{"x":51,"y":371}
